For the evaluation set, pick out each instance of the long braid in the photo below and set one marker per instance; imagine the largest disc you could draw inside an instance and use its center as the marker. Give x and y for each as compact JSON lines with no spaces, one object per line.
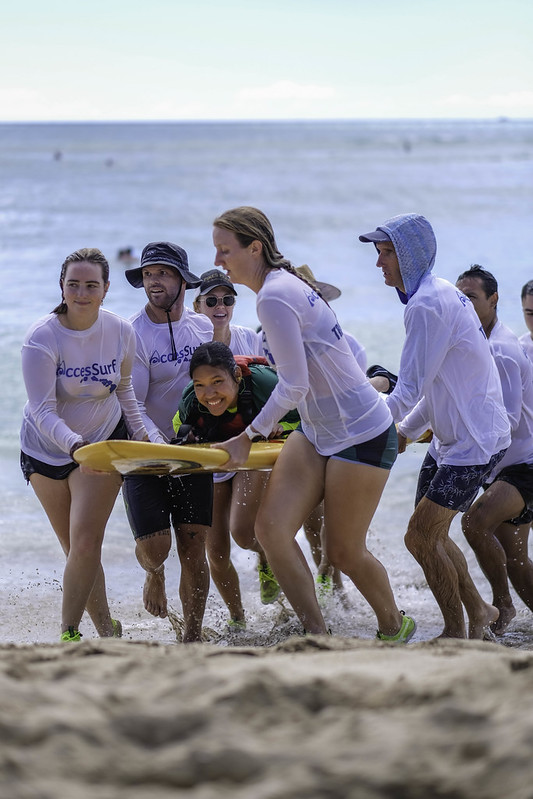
{"x":290,"y":268}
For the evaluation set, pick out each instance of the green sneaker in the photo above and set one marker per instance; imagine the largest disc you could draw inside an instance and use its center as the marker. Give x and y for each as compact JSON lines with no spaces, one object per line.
{"x":117,"y":628}
{"x":404,"y":634}
{"x":324,"y":587}
{"x":71,"y":635}
{"x":269,"y":587}
{"x":236,"y":625}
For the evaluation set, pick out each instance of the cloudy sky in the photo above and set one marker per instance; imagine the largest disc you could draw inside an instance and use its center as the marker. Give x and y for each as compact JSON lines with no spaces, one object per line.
{"x":276,"y":59}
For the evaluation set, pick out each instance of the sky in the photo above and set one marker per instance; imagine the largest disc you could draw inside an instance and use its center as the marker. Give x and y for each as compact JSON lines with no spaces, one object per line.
{"x":276,"y":59}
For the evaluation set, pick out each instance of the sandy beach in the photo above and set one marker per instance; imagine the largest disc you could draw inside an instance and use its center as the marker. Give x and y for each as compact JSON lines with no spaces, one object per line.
{"x":307,"y":718}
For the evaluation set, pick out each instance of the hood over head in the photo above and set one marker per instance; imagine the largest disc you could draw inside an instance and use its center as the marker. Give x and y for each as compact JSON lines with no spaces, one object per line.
{"x":415,"y":244}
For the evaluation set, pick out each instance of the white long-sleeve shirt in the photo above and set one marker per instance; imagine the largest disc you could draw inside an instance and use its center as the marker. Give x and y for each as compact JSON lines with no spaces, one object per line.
{"x":78,"y":384}
{"x":448,"y":380}
{"x":318,"y":373}
{"x":516,"y":376}
{"x":527,"y":344}
{"x":245,"y":341}
{"x":157,"y":379}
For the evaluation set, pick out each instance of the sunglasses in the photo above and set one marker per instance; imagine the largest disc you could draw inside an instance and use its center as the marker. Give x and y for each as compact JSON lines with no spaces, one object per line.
{"x":227,"y":299}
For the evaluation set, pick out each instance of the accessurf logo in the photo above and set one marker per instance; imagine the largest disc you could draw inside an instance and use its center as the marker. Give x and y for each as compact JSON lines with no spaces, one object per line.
{"x":183,"y":355}
{"x":95,"y":372}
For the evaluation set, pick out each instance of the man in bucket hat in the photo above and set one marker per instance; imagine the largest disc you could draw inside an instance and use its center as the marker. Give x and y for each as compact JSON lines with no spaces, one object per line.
{"x":167,"y":334}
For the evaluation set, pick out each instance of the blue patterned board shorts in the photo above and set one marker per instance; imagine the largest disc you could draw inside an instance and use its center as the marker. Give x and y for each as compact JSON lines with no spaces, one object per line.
{"x":453,"y":487}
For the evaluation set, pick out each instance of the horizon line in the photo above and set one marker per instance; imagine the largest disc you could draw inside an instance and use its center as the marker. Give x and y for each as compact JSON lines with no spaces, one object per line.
{"x":496,"y":118}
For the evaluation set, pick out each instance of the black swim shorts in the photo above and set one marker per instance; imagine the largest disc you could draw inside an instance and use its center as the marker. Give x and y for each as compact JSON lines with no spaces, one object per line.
{"x":152,"y":502}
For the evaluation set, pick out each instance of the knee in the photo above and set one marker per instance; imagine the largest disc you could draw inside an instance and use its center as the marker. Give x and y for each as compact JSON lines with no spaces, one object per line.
{"x":345,"y":557}
{"x":153,"y":548}
{"x":474,"y":525}
{"x":191,"y":540}
{"x":243,"y":536}
{"x":414,"y":540}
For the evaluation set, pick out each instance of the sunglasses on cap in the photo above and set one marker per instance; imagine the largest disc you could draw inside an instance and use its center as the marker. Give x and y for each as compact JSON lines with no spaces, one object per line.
{"x":212,"y":301}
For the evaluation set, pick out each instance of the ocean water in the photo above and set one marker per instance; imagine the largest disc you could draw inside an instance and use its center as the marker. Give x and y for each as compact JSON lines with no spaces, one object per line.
{"x":65,"y":186}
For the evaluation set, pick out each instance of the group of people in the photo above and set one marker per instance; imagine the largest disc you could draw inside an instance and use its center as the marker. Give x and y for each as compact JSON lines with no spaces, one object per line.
{"x":172,"y":374}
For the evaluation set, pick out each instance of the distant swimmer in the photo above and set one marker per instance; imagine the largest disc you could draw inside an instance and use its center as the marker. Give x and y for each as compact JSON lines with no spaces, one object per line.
{"x":128,"y":256}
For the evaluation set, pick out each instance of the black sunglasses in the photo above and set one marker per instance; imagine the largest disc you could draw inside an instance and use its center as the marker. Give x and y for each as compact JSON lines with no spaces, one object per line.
{"x":227,"y":299}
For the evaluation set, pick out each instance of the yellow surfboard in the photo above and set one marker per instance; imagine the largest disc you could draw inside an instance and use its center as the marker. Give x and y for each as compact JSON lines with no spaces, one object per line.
{"x":143,"y":457}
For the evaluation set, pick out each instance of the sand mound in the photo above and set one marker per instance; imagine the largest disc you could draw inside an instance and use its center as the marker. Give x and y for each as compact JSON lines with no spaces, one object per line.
{"x":310,"y":718}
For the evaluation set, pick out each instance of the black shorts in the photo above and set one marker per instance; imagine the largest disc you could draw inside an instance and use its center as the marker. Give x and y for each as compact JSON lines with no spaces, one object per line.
{"x":152,"y":502}
{"x":31,"y":465}
{"x":380,"y":451}
{"x":520,"y":476}
{"x":450,"y":486}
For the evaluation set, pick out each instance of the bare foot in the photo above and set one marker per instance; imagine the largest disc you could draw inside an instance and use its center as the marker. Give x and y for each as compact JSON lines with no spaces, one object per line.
{"x":445,"y":634}
{"x":154,"y":594}
{"x":478,"y":625}
{"x":507,"y":614}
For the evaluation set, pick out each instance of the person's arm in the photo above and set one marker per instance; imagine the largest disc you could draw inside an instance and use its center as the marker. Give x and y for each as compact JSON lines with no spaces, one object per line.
{"x":141,"y":384}
{"x":125,"y":393}
{"x":511,"y":380}
{"x":415,"y":423}
{"x":284,"y":336}
{"x":39,"y":369}
{"x":426,"y":345}
{"x":282,"y":329}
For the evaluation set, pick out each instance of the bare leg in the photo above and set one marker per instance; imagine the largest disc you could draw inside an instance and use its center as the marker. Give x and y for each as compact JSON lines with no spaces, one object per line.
{"x":519,"y":566}
{"x":445,"y":569}
{"x":79,"y":524}
{"x":248,"y":488}
{"x":315,"y":532}
{"x":218,"y":544}
{"x":312,"y":529}
{"x":285,"y":506}
{"x":353,"y":491}
{"x":151,"y":552}
{"x":194,"y":582}
{"x":501,"y":501}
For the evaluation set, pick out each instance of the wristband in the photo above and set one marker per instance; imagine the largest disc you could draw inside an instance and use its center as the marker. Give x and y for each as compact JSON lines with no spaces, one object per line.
{"x":251,"y":433}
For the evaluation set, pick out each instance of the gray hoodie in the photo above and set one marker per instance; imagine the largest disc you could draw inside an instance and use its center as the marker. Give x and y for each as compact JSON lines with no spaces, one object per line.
{"x":416,"y":247}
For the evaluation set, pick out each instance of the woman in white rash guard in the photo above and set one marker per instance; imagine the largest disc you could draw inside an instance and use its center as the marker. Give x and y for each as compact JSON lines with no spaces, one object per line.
{"x":77,"y":363}
{"x":346,"y":444}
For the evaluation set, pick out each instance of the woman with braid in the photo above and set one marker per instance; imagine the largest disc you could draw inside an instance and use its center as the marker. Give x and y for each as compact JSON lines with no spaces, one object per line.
{"x":346,"y":443}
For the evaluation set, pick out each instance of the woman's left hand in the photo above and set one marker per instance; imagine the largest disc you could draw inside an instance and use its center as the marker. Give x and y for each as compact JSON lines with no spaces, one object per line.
{"x":238,"y":449}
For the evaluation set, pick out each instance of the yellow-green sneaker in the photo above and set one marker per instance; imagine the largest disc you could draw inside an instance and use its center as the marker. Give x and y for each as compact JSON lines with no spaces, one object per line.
{"x":269,"y":588}
{"x":324,"y":588}
{"x":117,"y":628}
{"x":404,"y":634}
{"x":71,"y":634}
{"x":236,"y":625}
